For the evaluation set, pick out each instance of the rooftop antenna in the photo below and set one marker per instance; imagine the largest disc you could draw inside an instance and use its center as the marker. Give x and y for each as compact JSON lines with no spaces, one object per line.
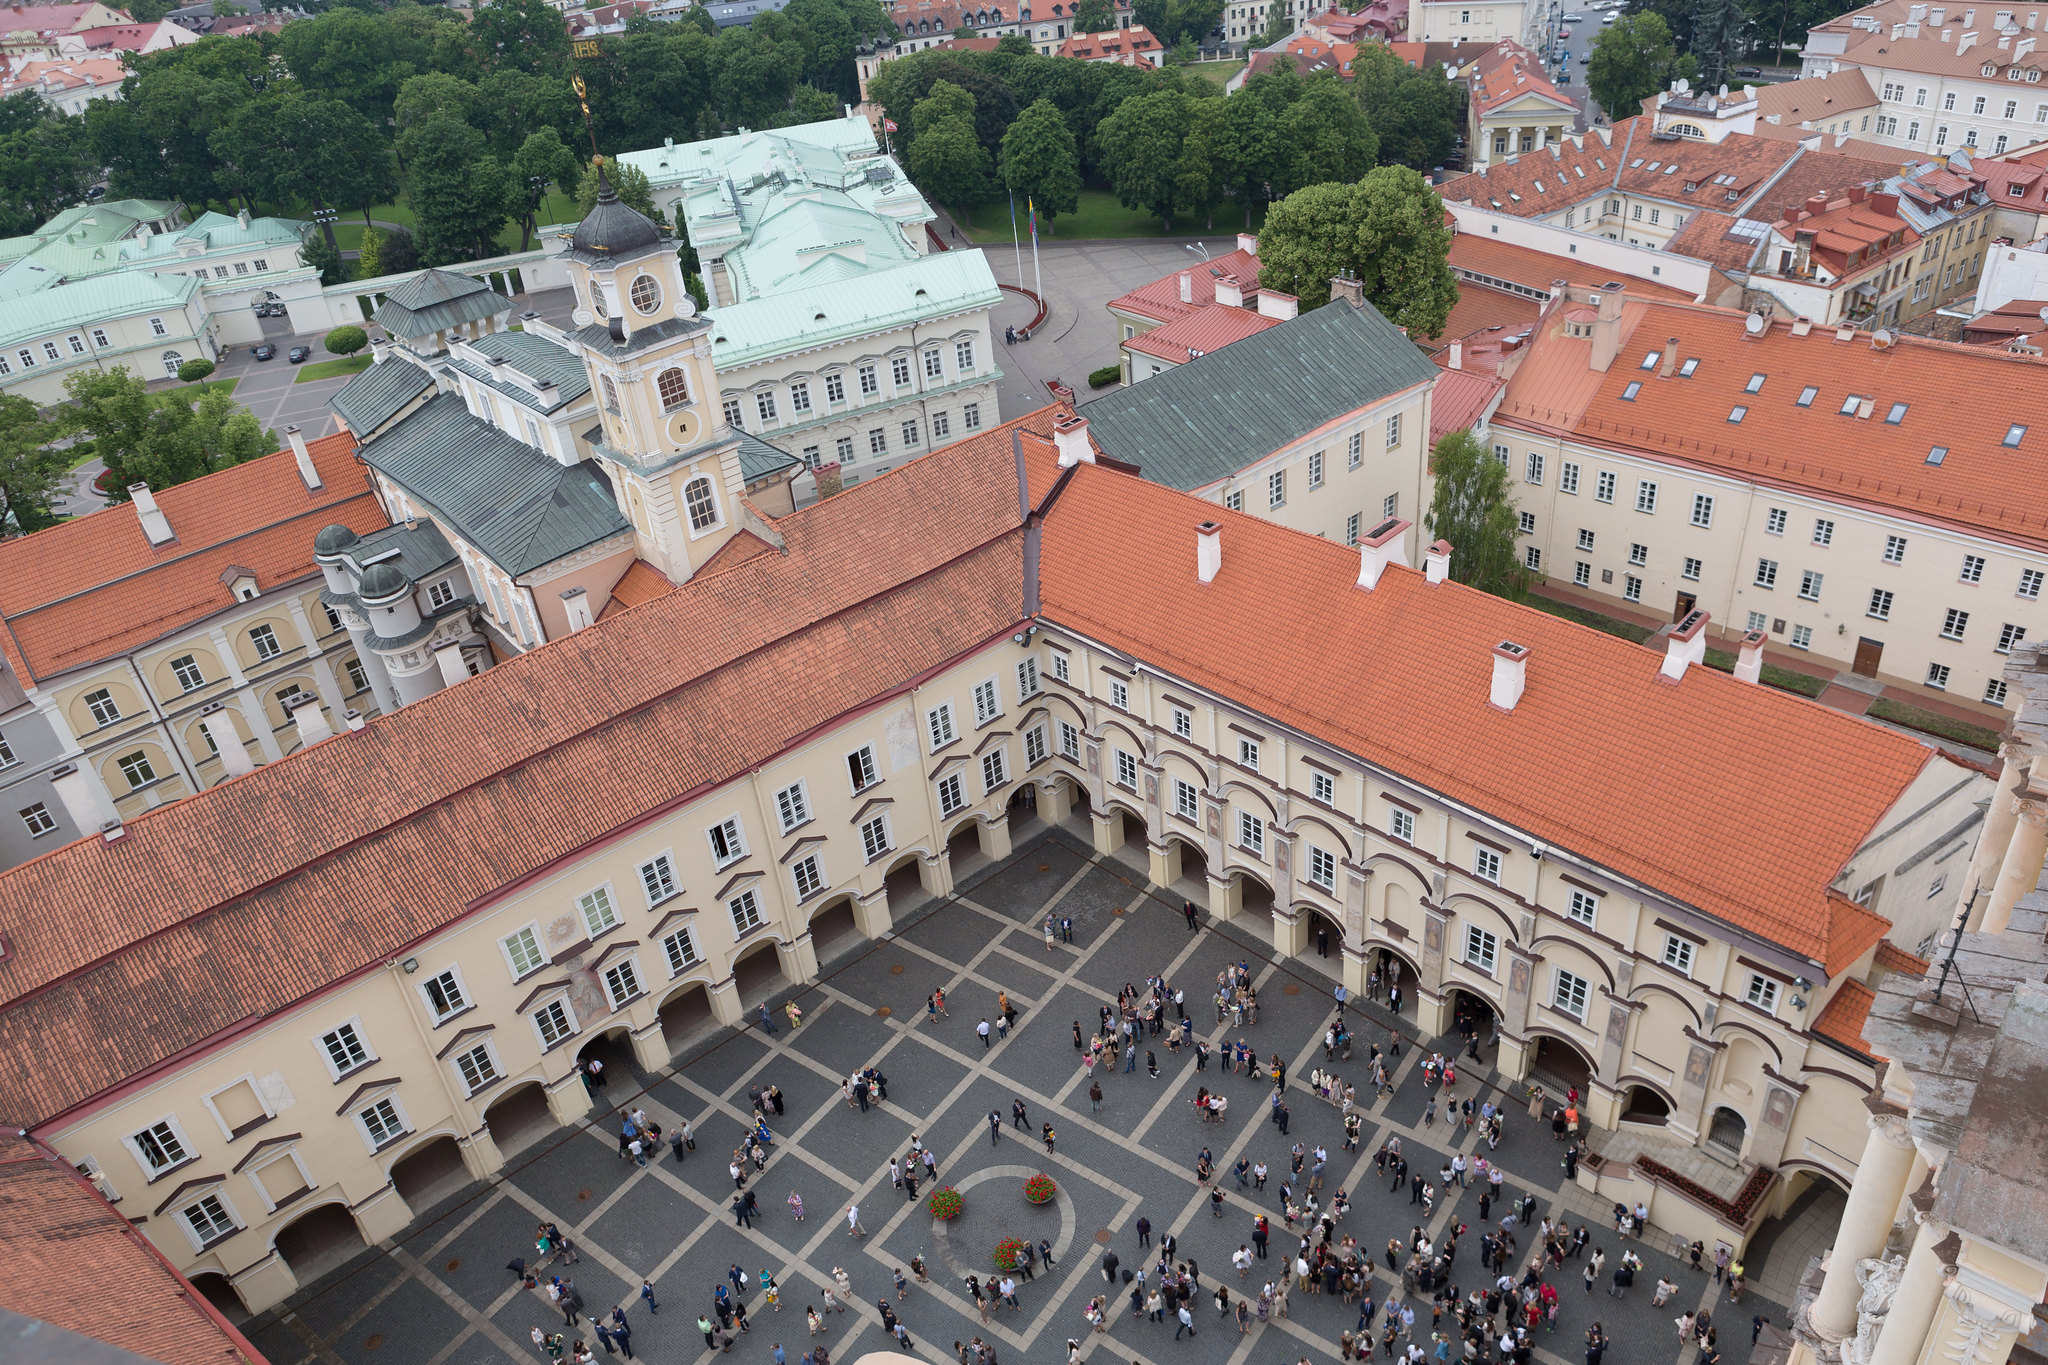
{"x":1948,"y":961}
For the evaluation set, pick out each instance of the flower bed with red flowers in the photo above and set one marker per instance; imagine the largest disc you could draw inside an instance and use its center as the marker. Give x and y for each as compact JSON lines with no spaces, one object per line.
{"x":1040,"y":1189}
{"x":1736,"y":1212}
{"x":945,"y":1202}
{"x":1010,"y":1253}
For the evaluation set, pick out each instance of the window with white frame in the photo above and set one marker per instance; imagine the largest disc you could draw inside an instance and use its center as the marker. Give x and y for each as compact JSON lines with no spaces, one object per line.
{"x":1276,"y":488}
{"x":1973,"y":569}
{"x":745,"y":909}
{"x":1763,"y":993}
{"x":860,"y":767}
{"x":995,"y":770}
{"x":1060,"y":667}
{"x":185,"y":668}
{"x":1678,"y":954}
{"x":2030,"y":583}
{"x":728,"y":840}
{"x":1251,"y":833}
{"x":1248,"y":753}
{"x":1583,"y":908}
{"x":1126,"y":769}
{"x":1119,"y":695}
{"x":792,"y":806}
{"x":1690,"y":569}
{"x":808,"y":876}
{"x":939,"y":724}
{"x":1034,"y":746}
{"x":478,"y":1067}
{"x":1390,"y":506}
{"x":1234,"y":500}
{"x":1323,"y":788}
{"x":1070,"y":741}
{"x":1774,"y":521}
{"x":1702,"y":510}
{"x":444,"y":995}
{"x":1569,"y":993}
{"x":1482,"y":949}
{"x":1994,"y":692}
{"x":599,"y":914}
{"x":1351,"y":529}
{"x":1486,"y":864}
{"x":1186,"y":803}
{"x":160,"y":1147}
{"x":1603,"y":487}
{"x":345,"y":1050}
{"x":1027,"y":677}
{"x":382,"y":1122}
{"x":658,"y":879}
{"x":622,"y":981}
{"x":1354,"y":454}
{"x":1183,"y":722}
{"x":522,"y":951}
{"x":874,"y":837}
{"x":987,"y":705}
{"x":681,"y":950}
{"x":1315,"y":469}
{"x":1894,"y":549}
{"x":700,"y":504}
{"x":1809,"y":585}
{"x":1646,"y":496}
{"x":2010,"y":635}
{"x":1954,"y":624}
{"x":1766,"y":573}
{"x":208,"y":1221}
{"x":1401,"y":824}
{"x":1568,"y":477}
{"x":952,"y":796}
{"x":553,"y":1023}
{"x":1937,"y":676}
{"x":1322,"y":868}
{"x":1532,"y":468}
{"x":265,"y":640}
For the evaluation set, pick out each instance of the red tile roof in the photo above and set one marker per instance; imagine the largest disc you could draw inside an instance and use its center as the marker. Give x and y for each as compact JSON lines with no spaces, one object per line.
{"x":1200,"y":332}
{"x":1507,"y":72}
{"x":1842,"y":1020}
{"x":91,"y":589}
{"x":1816,"y":173}
{"x":2017,"y":317}
{"x":1480,"y":310}
{"x":641,"y":582}
{"x":1719,"y":239}
{"x":1160,"y":300}
{"x":1482,"y":254}
{"x":1961,"y":398}
{"x":1893,"y":958}
{"x":1124,"y":45}
{"x":1458,"y":400}
{"x":1815,"y":99}
{"x":75,"y":1262}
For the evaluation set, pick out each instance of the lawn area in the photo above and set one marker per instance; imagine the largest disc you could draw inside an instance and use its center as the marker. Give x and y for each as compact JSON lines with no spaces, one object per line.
{"x":348,"y":229}
{"x":1218,"y":72}
{"x":1934,"y":723}
{"x":330,"y":369}
{"x":226,"y":386}
{"x":1100,"y":215}
{"x":1805,"y":684}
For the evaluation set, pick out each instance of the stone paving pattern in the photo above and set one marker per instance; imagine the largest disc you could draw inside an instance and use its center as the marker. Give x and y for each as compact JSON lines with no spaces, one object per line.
{"x":440,"y":1293}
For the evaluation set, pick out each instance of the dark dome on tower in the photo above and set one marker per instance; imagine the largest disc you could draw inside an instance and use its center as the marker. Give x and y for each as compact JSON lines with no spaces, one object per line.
{"x":613,"y":229}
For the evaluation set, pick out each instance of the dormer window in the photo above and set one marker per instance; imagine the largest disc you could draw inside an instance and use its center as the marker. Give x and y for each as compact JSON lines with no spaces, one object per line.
{"x":244,"y":588}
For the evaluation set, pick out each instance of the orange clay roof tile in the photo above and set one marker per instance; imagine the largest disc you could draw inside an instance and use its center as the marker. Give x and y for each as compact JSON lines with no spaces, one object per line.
{"x":1160,"y":300}
{"x":1893,"y":958}
{"x":1842,"y":1020}
{"x":1200,"y":332}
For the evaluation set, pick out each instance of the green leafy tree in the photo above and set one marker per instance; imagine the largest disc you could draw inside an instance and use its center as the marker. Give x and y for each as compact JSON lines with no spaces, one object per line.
{"x":354,"y":57}
{"x":31,"y":467}
{"x":541,"y":163}
{"x":527,"y":35}
{"x":808,"y":104}
{"x":628,"y":182}
{"x":370,"y":258}
{"x":1473,"y":507}
{"x":157,"y":142}
{"x":946,"y":158}
{"x":754,"y":70}
{"x":434,"y":92}
{"x":1387,"y":231}
{"x":1248,"y":151}
{"x":1139,"y":149}
{"x":1325,"y":136}
{"x":1040,"y":161}
{"x":460,"y":193}
{"x":345,"y":341}
{"x":1416,"y":114}
{"x":192,"y":371}
{"x":46,"y":162}
{"x":292,"y":147}
{"x":1632,"y":59}
{"x":1279,"y":28}
{"x":512,"y":104}
{"x":323,"y":256}
{"x":1170,"y":21}
{"x":159,"y":439}
{"x":396,"y":252}
{"x":1183,"y":52}
{"x":1093,"y":16}
{"x":1720,"y":39}
{"x":1198,"y":178}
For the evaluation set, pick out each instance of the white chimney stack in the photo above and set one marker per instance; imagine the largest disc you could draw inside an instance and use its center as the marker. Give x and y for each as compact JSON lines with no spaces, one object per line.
{"x":448,"y":655}
{"x":1208,"y":551}
{"x":1187,"y":286}
{"x":85,"y":801}
{"x":155,"y":524}
{"x":1382,"y":546}
{"x":1685,"y":646}
{"x":1070,"y":438}
{"x":1247,"y":243}
{"x":576,"y":601}
{"x":220,"y":725}
{"x":352,"y":718}
{"x":1457,"y":355}
{"x":1274,"y":304}
{"x":304,"y":457}
{"x":306,"y":712}
{"x":1749,"y":658}
{"x":1436,"y":561}
{"x":1229,"y":292}
{"x":1510,"y":674}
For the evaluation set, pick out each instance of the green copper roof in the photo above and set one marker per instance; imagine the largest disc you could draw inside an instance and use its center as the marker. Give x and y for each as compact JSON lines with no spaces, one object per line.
{"x":840,"y":308}
{"x":39,"y":313}
{"x":519,"y":506}
{"x":435,"y":300}
{"x":759,"y":460}
{"x":1209,"y":418}
{"x":532,"y":355}
{"x":375,"y":396}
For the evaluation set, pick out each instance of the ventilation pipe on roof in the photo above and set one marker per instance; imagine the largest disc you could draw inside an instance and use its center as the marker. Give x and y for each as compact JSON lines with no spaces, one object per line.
{"x":1385,"y":544}
{"x":448,"y":657}
{"x":1070,"y":438}
{"x":1685,"y":646}
{"x":1248,"y":243}
{"x":1510,"y":674}
{"x":576,"y":601}
{"x":155,"y":524}
{"x":1187,"y":286}
{"x":306,"y":713}
{"x":1749,"y":658}
{"x":1208,"y":551}
{"x":1457,"y":355}
{"x":310,"y":475}
{"x":1436,"y":561}
{"x":1670,"y":364}
{"x":227,"y":740}
{"x":85,"y":800}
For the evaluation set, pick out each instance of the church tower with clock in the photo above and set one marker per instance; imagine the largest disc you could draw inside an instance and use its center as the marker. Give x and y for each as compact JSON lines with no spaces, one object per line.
{"x":673,"y":460}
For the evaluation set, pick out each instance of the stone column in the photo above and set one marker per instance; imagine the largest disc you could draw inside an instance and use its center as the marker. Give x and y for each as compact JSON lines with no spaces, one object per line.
{"x":1106,"y":830}
{"x":1224,"y":896}
{"x":872,"y":914}
{"x":1692,"y":1091}
{"x":1866,"y":1223}
{"x":2021,"y":868}
{"x":1914,"y":1303}
{"x":1055,"y":802}
{"x":994,"y":835}
{"x":1996,"y":834}
{"x":1162,"y":862}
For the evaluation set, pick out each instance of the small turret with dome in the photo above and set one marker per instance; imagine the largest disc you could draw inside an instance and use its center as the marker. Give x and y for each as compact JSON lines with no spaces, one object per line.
{"x":627,"y":275}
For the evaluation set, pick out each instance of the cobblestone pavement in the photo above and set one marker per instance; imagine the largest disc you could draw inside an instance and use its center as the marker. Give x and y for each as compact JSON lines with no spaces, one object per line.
{"x":441,"y":1293}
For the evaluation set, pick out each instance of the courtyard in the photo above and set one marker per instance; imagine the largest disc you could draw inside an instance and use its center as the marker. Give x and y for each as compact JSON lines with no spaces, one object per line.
{"x":441,"y":1292}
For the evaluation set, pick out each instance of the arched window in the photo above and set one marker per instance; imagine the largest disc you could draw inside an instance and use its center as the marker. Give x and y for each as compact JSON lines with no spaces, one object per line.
{"x":697,"y":498}
{"x":172,"y":360}
{"x":611,"y":393}
{"x":645,"y":294}
{"x":674,"y":388}
{"x":597,"y":298}
{"x":1684,"y":130}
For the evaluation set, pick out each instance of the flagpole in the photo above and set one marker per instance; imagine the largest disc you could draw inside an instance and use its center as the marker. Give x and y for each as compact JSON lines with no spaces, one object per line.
{"x":1037,"y":280}
{"x":1015,"y":243}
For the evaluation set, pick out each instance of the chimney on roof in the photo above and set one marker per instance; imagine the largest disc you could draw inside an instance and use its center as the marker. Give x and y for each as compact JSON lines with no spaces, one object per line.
{"x":1229,"y":292}
{"x":1457,"y":355}
{"x":1968,"y":41}
{"x":1385,"y":544}
{"x":1816,"y":204}
{"x":305,"y":711}
{"x":1070,"y":438}
{"x":1208,"y":551}
{"x":304,"y":458}
{"x":1685,"y":645}
{"x":227,"y":740}
{"x":353,"y":719}
{"x":1510,"y":674}
{"x":1749,"y":657}
{"x":1347,"y":289}
{"x":1858,"y":193}
{"x":1887,"y":204}
{"x":1670,"y":364}
{"x":576,"y":601}
{"x":1606,"y":326}
{"x":155,"y":524}
{"x":1436,"y":561}
{"x":448,"y":658}
{"x":1187,"y":286}
{"x":85,"y":800}
{"x":1274,"y":304}
{"x":1247,"y":243}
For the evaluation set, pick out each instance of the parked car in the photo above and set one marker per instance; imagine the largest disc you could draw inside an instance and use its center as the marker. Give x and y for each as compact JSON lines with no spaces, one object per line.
{"x":298,"y":353}
{"x":266,"y":352}
{"x":1575,"y":18}
{"x":1749,"y":71}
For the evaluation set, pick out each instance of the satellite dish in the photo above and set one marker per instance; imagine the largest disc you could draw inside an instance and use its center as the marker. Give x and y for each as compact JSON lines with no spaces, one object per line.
{"x":582,"y":317}
{"x":684,"y":428}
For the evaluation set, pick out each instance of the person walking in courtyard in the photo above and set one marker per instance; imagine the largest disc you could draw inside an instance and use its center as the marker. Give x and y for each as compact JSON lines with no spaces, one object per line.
{"x":853,"y":1227}
{"x":982,"y":1030}
{"x":767,"y":1019}
{"x":1188,"y":908}
{"x":1047,"y":1135}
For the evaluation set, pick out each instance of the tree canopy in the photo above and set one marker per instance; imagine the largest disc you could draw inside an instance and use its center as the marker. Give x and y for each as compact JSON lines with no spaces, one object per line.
{"x":1040,"y":162}
{"x":1632,"y":59}
{"x":1473,"y":507}
{"x":1386,"y":231}
{"x":31,"y":467}
{"x":159,"y":439}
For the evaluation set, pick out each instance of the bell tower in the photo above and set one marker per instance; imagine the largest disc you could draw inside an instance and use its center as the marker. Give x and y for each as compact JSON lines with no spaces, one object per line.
{"x":671,"y":456}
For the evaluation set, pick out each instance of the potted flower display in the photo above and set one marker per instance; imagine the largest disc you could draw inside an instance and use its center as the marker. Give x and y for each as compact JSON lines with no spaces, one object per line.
{"x":1040,"y":1189}
{"x":945,"y":1202}
{"x":1010,"y":1253}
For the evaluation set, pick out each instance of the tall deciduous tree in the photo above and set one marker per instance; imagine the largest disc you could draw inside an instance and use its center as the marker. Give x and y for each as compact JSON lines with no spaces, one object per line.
{"x":1093,"y":16}
{"x":1415,"y":113}
{"x":1139,"y":148}
{"x":1632,"y":59}
{"x":294,"y":147}
{"x":30,"y":469}
{"x":1720,"y":39}
{"x":46,"y":162}
{"x":1326,"y":136}
{"x":525,"y":35}
{"x":353,"y":57}
{"x":460,"y":193}
{"x":1387,"y":231}
{"x":1473,"y":507}
{"x":1248,"y":151}
{"x":159,"y":438}
{"x":1040,"y":161}
{"x":629,"y":183}
{"x":946,"y":157}
{"x":542,"y":161}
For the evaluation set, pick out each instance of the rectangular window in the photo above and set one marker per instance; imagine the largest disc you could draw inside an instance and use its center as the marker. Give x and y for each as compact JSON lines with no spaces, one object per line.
{"x":1248,"y":753}
{"x":1583,"y":908}
{"x":1532,"y":470}
{"x":1355,"y":451}
{"x":728,"y":840}
{"x":1823,"y":532}
{"x":101,"y":705}
{"x":1802,"y":637}
{"x":970,"y":416}
{"x":799,"y":397}
{"x":156,"y":326}
{"x":1937,"y":676}
{"x":1569,"y":994}
{"x":745,"y":910}
{"x":2013,"y":435}
{"x":160,"y":1147}
{"x":2010,"y":635}
{"x":910,"y":433}
{"x":963,"y":356}
{"x":523,"y":951}
{"x":994,"y":770}
{"x":137,"y":768}
{"x":1351,"y":529}
{"x":1251,"y":833}
{"x":1528,"y":523}
{"x":1126,"y":769}
{"x":185,"y":668}
{"x":681,"y":950}
{"x":1603,"y":487}
{"x":1183,"y":723}
{"x":38,"y":820}
{"x":2030,"y":583}
{"x":1390,"y":505}
{"x":735,"y":415}
{"x":1482,"y":949}
{"x":1894,"y":549}
{"x":1568,"y":477}
{"x":1809,"y":585}
{"x":1532,"y":557}
{"x":1763,"y":993}
{"x":1184,"y":800}
{"x":899,"y":370}
{"x":808,"y":876}
{"x":1638,"y":554}
{"x":1070,"y":741}
{"x":1994,"y":692}
{"x":1774,"y":521}
{"x":1895,"y":414}
{"x":598,"y":912}
{"x":951,"y":796}
{"x":942,"y":426}
{"x":934,"y":365}
{"x":939,"y":723}
{"x":1119,"y":695}
{"x":552,"y":1021}
{"x":1486,"y":864}
{"x":1692,"y":568}
{"x":1027,"y":677}
{"x":764,"y":403}
{"x":1954,"y":624}
{"x":477,"y":1067}
{"x":444,"y":995}
{"x":878,"y":441}
{"x":869,"y":387}
{"x":1276,"y":488}
{"x":835,"y":388}
{"x":1582,"y":574}
{"x":99,"y":337}
{"x":1401,"y":824}
{"x":1322,"y":868}
{"x":987,"y":706}
{"x":1234,"y":500}
{"x":208,"y":1219}
{"x":1973,"y":569}
{"x":1315,"y":469}
{"x":1757,"y":621}
{"x":1767,"y":573}
{"x":265,"y":640}
{"x":1678,"y":954}
{"x":1880,"y":605}
{"x":1646,"y":496}
{"x":874,"y":837}
{"x":345,"y":1050}
{"x":621,"y":982}
{"x":1324,"y":788}
{"x":792,"y":806}
{"x":382,"y":1123}
{"x":1631,"y":588}
{"x":1394,"y":431}
{"x":1585,"y":539}
{"x":1635,"y":386}
{"x":1755,"y":384}
{"x":1806,"y":397}
{"x":1060,"y":667}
